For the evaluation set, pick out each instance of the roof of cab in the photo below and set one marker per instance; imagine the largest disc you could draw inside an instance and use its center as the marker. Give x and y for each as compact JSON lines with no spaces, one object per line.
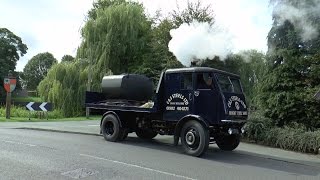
{"x":199,"y":69}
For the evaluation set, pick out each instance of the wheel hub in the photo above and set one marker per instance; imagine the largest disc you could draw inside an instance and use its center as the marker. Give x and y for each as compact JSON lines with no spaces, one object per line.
{"x":109,"y":129}
{"x":190,"y":137}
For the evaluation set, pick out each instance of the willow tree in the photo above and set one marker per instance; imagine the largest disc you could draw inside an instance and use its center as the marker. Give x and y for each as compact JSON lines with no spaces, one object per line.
{"x":64,"y":86}
{"x":115,"y":38}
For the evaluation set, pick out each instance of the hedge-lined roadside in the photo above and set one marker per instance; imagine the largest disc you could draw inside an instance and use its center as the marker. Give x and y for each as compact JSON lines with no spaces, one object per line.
{"x":294,"y":137}
{"x":22,"y":112}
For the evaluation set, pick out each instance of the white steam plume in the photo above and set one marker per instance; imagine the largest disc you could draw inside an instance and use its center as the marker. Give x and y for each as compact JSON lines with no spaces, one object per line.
{"x":298,"y":16}
{"x":199,"y":41}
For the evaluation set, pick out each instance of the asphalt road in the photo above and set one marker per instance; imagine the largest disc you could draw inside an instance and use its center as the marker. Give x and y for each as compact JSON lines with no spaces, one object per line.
{"x":30,"y":154}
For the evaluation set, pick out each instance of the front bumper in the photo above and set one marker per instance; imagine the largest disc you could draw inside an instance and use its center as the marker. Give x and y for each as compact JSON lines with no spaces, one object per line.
{"x":234,"y":121}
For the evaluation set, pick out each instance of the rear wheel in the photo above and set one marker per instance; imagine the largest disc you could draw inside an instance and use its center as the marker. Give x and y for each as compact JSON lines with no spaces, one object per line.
{"x":228,"y":142}
{"x":111,"y":129}
{"x":146,"y":134}
{"x":194,"y":138}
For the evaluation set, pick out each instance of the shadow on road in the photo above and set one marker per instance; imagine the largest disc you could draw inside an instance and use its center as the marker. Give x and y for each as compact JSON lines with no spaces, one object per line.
{"x":236,"y":157}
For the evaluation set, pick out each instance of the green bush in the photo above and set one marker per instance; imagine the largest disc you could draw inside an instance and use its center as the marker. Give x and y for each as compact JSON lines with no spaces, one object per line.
{"x":22,"y":112}
{"x":293,"y":137}
{"x":256,"y":126}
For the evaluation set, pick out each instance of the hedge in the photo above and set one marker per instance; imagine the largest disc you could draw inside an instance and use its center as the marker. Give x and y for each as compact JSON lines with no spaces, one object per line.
{"x":293,"y":137}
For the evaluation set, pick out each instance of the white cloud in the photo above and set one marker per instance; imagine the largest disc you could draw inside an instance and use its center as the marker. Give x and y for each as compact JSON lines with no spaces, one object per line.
{"x":54,"y":25}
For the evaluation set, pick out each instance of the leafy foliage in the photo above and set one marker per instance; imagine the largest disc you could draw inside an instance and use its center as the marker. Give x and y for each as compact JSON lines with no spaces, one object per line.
{"x":36,"y":69}
{"x":292,"y":78}
{"x":67,"y":58}
{"x":115,"y":37}
{"x":11,"y":49}
{"x":194,"y":11}
{"x":65,"y":86}
{"x":17,"y":111}
{"x":294,"y":137}
{"x":251,"y":67}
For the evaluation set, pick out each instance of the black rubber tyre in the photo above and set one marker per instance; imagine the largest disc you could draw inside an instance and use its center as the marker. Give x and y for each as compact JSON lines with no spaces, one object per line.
{"x":229,"y":142}
{"x":124,"y":135}
{"x":194,"y":138}
{"x":110,"y":128}
{"x":146,"y":134}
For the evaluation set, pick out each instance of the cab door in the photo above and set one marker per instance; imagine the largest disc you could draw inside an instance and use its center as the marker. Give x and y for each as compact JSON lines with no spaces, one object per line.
{"x":206,"y":97}
{"x":178,"y":96}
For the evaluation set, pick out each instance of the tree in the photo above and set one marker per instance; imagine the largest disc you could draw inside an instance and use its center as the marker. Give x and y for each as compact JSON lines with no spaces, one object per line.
{"x":65,"y":86}
{"x":160,"y":57}
{"x":115,"y":37}
{"x":249,"y":64}
{"x":11,"y":49}
{"x":67,"y":58}
{"x":293,"y":62}
{"x":36,"y":69}
{"x":194,"y":11}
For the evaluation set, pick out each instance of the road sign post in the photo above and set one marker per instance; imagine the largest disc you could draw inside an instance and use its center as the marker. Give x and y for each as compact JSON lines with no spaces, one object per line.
{"x":8,"y":105}
{"x":9,"y":84}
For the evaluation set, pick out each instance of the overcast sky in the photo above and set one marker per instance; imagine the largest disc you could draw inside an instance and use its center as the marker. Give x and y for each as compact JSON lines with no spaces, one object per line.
{"x":54,"y":25}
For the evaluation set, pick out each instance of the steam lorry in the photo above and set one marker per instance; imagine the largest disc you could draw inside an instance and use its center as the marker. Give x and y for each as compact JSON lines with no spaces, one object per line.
{"x":197,"y":105}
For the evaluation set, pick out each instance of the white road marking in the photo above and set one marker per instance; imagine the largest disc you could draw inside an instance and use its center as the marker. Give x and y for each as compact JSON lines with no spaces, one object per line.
{"x":19,"y":143}
{"x":137,"y":166}
{"x":94,"y":125}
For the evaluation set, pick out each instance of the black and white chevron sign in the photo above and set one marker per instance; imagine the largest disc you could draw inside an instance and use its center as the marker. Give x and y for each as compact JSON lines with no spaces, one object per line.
{"x":36,"y":106}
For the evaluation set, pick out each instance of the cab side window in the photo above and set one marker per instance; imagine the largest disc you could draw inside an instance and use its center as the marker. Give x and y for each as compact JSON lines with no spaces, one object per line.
{"x":173,"y":81}
{"x":186,"y":81}
{"x":204,"y":81}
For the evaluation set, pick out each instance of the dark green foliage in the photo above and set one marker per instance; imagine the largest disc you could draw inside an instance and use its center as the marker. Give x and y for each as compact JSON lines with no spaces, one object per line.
{"x":36,"y":69}
{"x":251,"y":67}
{"x":159,"y":57}
{"x":194,"y":11}
{"x":257,"y":126}
{"x":67,"y":58}
{"x":293,"y":67}
{"x":293,"y":137}
{"x":11,"y":49}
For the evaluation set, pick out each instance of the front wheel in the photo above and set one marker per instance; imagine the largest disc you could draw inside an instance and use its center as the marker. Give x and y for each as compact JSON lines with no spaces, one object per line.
{"x":194,"y":138}
{"x":228,"y":142}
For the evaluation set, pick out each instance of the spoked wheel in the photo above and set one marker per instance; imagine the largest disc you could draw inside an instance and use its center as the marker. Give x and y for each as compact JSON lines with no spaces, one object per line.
{"x":111,"y":129}
{"x":194,"y":138}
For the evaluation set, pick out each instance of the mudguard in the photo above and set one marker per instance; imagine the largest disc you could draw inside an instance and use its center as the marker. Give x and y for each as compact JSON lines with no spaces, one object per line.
{"x":185,"y":119}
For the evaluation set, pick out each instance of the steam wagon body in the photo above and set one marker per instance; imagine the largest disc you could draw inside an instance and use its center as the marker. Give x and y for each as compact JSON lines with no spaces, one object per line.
{"x":197,"y":106}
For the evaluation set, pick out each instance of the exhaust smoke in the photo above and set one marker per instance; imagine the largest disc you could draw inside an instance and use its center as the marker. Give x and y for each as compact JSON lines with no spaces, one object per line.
{"x":299,"y":16}
{"x":199,"y":41}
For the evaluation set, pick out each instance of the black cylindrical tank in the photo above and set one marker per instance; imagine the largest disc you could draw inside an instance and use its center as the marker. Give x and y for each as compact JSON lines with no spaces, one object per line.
{"x":127,"y":86}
